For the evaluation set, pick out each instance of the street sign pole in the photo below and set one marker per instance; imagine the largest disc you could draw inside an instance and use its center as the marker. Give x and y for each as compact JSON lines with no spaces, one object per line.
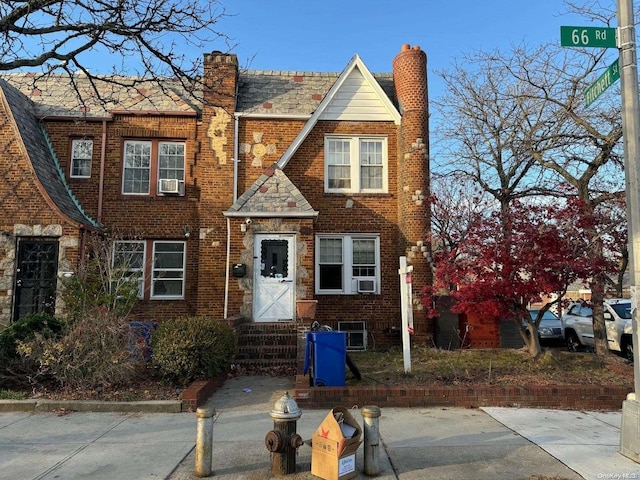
{"x":630,"y":427}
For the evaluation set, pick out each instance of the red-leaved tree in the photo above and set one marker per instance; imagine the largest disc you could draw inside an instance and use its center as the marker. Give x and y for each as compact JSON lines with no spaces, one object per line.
{"x":507,"y":262}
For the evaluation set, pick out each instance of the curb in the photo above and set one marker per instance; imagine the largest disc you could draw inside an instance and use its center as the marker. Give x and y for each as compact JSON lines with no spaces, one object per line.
{"x":193,"y":396}
{"x":41,"y":406}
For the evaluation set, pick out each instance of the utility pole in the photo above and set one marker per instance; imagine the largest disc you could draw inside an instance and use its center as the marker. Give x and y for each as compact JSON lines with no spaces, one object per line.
{"x":630,"y":430}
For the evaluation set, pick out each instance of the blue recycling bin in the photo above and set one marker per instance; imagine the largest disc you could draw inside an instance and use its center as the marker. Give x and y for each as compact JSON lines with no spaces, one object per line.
{"x":326,"y":357}
{"x":139,"y":341}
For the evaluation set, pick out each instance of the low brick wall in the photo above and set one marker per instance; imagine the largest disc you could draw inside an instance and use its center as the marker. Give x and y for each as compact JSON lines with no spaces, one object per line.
{"x":197,"y":394}
{"x":572,"y":397}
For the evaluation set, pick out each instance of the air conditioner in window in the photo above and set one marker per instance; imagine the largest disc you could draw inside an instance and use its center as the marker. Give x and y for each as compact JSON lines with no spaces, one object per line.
{"x":170,"y":185}
{"x":366,"y":285}
{"x":356,"y":334}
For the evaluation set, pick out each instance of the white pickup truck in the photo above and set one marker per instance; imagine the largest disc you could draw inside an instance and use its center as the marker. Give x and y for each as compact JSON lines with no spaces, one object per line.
{"x":577,"y":326}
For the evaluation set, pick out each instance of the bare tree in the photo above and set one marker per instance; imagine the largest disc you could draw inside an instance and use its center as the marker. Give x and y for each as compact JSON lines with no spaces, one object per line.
{"x":517,"y":124}
{"x":457,"y":202}
{"x":158,"y":36}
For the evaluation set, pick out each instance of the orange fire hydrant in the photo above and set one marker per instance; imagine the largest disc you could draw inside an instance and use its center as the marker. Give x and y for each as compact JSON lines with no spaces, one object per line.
{"x":283,"y":441}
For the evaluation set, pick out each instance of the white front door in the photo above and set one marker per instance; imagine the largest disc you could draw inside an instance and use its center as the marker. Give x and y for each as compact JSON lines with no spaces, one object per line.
{"x":274,"y":277}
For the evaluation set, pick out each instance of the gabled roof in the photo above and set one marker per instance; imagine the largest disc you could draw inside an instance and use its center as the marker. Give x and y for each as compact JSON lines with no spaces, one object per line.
{"x":39,"y":152}
{"x":268,"y":93}
{"x":354,"y":67}
{"x":272,"y":195}
{"x":291,"y":94}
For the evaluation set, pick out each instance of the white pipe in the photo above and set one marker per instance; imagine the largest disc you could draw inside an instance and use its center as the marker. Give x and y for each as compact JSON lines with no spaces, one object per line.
{"x":236,"y":160}
{"x":226,"y":281}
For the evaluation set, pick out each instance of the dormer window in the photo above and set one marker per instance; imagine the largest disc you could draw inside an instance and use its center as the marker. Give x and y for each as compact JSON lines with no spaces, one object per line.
{"x":355,"y":164}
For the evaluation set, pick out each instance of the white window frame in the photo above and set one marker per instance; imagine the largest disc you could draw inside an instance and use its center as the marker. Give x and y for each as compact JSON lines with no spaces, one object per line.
{"x":141,"y":283}
{"x":154,"y":170}
{"x":349,"y":281}
{"x":180,"y":171}
{"x":125,"y":168}
{"x":75,"y":158}
{"x":155,"y":271}
{"x":355,"y":165}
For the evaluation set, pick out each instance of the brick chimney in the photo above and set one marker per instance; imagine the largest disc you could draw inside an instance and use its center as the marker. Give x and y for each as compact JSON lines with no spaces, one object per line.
{"x":410,"y":80}
{"x":221,"y":80}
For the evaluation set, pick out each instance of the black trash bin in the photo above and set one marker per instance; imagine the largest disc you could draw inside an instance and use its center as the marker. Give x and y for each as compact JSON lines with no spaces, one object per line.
{"x":326,"y":356}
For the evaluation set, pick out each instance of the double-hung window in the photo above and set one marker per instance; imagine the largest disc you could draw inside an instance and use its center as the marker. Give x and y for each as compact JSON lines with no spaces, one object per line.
{"x":152,"y":167}
{"x":81,"y":156}
{"x":355,"y":164}
{"x":167,"y":279}
{"x":166,"y":268}
{"x":347,"y":264}
{"x":128,"y":264}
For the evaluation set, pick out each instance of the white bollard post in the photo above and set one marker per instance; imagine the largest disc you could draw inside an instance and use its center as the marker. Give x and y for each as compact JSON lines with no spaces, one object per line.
{"x":204,"y":440}
{"x":370,"y":417}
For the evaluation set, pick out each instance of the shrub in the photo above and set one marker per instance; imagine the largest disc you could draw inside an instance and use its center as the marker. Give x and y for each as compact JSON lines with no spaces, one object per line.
{"x":25,"y":329}
{"x":192,"y":348}
{"x":93,"y":352}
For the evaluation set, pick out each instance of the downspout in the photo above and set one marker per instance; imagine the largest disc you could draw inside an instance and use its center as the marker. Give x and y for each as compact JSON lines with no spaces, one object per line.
{"x":235,"y":197}
{"x":236,"y":160}
{"x":103,"y":154}
{"x":226,"y":280}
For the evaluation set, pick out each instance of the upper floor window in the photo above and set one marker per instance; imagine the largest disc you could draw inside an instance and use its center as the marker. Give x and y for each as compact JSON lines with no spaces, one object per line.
{"x":347,"y":264}
{"x":153,"y":167}
{"x":356,"y":164}
{"x":81,"y":155}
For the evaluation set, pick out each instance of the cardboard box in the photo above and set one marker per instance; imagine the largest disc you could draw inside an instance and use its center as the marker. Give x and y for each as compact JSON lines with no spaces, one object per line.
{"x":334,"y":445}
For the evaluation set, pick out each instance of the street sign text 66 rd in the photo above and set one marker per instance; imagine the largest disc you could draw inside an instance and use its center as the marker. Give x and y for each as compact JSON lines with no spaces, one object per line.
{"x":603,"y":37}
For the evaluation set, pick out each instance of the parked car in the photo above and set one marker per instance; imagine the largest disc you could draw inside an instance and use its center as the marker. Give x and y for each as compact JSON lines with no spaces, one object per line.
{"x":550,"y":328}
{"x":577,"y":326}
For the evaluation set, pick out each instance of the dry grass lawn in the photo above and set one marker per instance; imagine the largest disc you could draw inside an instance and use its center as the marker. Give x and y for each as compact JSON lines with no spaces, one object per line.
{"x":511,"y":367}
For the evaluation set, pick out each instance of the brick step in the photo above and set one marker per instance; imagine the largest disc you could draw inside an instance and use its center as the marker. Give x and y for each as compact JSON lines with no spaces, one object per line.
{"x":284,"y":351}
{"x":259,"y":339}
{"x":266,"y":328}
{"x":267,"y":346}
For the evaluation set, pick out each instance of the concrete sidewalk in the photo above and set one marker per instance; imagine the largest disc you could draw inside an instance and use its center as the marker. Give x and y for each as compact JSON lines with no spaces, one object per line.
{"x":416,"y":443}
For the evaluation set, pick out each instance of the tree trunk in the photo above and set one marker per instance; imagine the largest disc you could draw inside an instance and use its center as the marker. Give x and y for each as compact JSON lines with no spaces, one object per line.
{"x":599,"y":329}
{"x":530,"y":337}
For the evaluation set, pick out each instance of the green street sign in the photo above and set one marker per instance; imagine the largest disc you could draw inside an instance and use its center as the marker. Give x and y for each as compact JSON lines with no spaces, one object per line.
{"x":604,"y":81}
{"x":603,"y":37}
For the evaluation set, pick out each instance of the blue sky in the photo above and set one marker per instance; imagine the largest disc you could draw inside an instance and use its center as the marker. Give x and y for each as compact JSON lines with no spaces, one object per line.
{"x":310,"y":35}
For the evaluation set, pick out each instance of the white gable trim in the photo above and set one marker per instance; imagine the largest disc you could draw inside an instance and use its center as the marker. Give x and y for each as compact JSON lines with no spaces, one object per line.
{"x":355,"y":62}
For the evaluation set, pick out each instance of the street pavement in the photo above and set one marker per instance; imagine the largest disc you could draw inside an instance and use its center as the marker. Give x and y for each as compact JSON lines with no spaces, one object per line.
{"x":418,"y":443}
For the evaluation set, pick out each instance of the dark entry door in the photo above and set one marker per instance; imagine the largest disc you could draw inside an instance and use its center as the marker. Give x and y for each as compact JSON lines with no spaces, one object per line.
{"x":36,"y":278}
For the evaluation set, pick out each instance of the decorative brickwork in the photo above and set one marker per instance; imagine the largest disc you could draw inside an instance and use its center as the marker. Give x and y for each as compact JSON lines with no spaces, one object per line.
{"x":258,"y":117}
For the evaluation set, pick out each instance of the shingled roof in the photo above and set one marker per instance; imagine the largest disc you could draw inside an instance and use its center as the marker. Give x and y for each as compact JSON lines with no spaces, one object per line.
{"x":272,"y":195}
{"x":291,"y":93}
{"x":260,"y":92}
{"x":42,"y":157}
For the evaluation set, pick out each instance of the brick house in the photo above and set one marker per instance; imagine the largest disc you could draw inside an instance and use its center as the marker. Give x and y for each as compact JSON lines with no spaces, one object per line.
{"x":278,"y":187}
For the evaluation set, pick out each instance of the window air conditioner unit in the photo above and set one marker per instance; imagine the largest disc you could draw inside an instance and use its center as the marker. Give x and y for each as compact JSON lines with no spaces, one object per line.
{"x":366,"y":285}
{"x":169,"y":185}
{"x":356,"y":334}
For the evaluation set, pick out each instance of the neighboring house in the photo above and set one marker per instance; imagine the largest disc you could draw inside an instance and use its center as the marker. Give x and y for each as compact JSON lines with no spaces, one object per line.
{"x":277,"y":187}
